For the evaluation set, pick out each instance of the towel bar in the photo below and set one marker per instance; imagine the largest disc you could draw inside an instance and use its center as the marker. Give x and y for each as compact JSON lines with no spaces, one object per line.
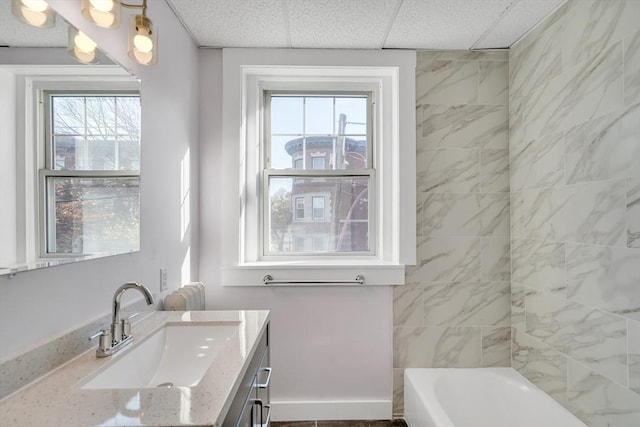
{"x":268,"y":280}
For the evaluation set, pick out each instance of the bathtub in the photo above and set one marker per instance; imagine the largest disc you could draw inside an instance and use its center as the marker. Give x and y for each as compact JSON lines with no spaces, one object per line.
{"x":483,"y":397}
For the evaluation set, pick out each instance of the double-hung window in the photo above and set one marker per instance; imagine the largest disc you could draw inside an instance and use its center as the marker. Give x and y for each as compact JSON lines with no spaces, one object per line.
{"x":318,"y":149}
{"x":318,"y":165}
{"x":89,"y":184}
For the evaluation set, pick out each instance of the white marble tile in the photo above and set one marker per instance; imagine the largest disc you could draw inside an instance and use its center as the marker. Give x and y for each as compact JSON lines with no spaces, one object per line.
{"x":493,"y":83}
{"x":494,"y":171}
{"x":398,"y":392}
{"x":437,"y":347}
{"x":516,"y":123}
{"x":632,"y":69}
{"x":538,"y":31}
{"x":426,"y":56}
{"x":408,"y":306}
{"x":605,"y":277}
{"x":467,"y":304}
{"x":540,"y":364}
{"x":538,"y":163}
{"x":448,"y":83}
{"x":604,"y":148}
{"x":517,"y":307}
{"x":495,"y":259}
{"x":448,"y":170}
{"x":634,"y":355}
{"x":448,"y":259}
{"x":464,"y":126}
{"x":494,"y":214}
{"x":581,"y":93}
{"x":496,"y":347}
{"x":586,"y":213}
{"x":518,"y":214}
{"x":595,"y":338}
{"x":598,"y":401}
{"x":450,"y":214}
{"x":538,"y":264}
{"x":590,"y":26}
{"x":538,"y":62}
{"x":633,"y":212}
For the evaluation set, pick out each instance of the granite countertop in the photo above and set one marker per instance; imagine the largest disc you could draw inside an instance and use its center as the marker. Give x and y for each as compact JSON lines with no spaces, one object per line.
{"x":57,"y":399}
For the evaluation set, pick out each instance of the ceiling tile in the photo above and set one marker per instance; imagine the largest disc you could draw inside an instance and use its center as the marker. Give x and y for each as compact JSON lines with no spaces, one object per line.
{"x":340,"y":23}
{"x":520,"y":18}
{"x":443,"y":24}
{"x":18,"y":34}
{"x":231,"y":23}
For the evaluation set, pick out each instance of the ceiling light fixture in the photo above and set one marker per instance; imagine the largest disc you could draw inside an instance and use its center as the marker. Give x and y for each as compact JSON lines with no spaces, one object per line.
{"x":143,"y":36}
{"x":103,"y":13}
{"x":34,"y":12}
{"x":81,"y":47}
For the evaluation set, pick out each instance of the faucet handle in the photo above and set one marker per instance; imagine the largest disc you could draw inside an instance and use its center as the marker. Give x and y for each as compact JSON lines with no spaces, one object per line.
{"x":105,"y":339}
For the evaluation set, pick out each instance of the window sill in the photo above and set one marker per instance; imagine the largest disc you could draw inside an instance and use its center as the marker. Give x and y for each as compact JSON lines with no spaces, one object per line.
{"x":374,"y":273}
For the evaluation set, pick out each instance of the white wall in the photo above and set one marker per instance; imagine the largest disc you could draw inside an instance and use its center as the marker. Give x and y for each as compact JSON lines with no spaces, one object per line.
{"x":38,"y":304}
{"x":330,"y":344}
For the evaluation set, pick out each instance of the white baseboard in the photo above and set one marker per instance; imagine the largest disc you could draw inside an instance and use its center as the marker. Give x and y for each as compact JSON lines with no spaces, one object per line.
{"x":328,"y":410}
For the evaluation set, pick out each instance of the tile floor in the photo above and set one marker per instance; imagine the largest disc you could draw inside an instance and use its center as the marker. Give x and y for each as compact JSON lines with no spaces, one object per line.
{"x":370,"y":423}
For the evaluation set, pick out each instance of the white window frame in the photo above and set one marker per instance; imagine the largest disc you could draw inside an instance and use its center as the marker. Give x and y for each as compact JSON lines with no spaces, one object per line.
{"x":28,"y":82}
{"x":48,"y":170}
{"x":309,"y":172}
{"x":390,"y":75}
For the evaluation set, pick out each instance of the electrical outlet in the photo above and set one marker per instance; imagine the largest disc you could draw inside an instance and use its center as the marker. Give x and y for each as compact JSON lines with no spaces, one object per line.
{"x":163,"y":280}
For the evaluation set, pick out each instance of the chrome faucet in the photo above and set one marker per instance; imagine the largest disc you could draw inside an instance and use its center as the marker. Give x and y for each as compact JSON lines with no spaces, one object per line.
{"x":119,"y":334}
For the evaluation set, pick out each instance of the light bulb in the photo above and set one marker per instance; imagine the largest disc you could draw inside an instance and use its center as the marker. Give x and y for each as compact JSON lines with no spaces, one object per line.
{"x":35,"y":5}
{"x":84,"y":43}
{"x":35,"y":18}
{"x":143,"y":58}
{"x":84,"y":57}
{"x":102,"y":19}
{"x":102,"y":5}
{"x":142,"y":41}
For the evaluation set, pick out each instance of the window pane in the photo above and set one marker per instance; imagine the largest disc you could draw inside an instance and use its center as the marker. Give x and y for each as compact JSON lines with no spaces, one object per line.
{"x":101,"y":115}
{"x":355,"y":112}
{"x":286,"y":153}
{"x":319,"y":118}
{"x":93,"y":215}
{"x":338,"y":217}
{"x":68,"y":116}
{"x":286,"y":115}
{"x":96,"y":132}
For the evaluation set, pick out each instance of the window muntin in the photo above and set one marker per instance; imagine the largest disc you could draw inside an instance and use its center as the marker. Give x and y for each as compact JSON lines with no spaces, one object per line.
{"x":89,"y":187}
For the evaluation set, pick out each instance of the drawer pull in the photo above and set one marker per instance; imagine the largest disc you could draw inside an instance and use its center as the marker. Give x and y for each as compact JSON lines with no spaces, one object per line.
{"x":266,"y":383}
{"x":263,"y":422}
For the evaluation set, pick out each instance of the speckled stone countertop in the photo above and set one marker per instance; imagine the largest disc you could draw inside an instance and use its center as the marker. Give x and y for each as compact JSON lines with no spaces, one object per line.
{"x":57,"y":399}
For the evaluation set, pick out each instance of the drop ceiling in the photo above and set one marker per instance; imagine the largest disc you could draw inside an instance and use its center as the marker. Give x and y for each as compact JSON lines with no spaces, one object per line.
{"x":332,"y":24}
{"x":361,"y":24}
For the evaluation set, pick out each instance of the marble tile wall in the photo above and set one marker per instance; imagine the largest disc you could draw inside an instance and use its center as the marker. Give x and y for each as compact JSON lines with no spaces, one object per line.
{"x":454,"y":310}
{"x":574,"y":98}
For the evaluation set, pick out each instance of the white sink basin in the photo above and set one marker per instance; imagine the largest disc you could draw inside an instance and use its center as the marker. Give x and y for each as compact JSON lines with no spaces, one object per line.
{"x":175,"y":355}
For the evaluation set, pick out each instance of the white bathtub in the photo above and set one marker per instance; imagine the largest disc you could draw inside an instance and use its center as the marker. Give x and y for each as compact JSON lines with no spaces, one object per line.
{"x":483,"y":397}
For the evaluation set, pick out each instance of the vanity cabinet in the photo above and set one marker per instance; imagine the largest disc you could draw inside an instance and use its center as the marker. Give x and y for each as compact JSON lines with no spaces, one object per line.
{"x":250,"y":406}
